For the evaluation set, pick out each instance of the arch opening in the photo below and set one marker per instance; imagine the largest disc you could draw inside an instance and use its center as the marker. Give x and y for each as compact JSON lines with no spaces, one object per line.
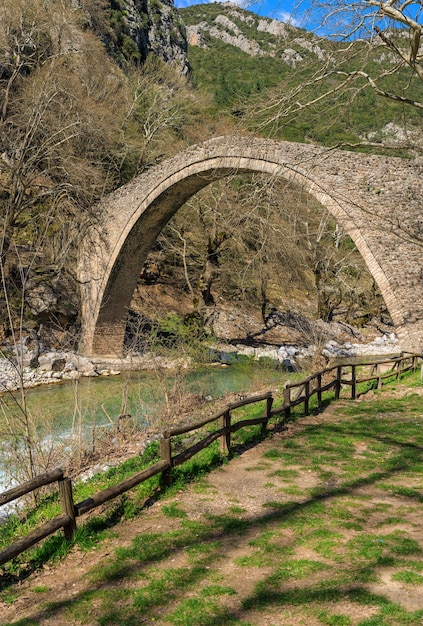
{"x":256,"y":260}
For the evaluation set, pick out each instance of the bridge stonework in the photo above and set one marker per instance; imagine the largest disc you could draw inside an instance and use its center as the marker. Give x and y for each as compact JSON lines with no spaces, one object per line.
{"x":376,"y":199}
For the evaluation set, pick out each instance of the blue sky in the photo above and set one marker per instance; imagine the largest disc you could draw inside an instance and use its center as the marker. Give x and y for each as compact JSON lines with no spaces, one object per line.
{"x":293,"y":11}
{"x":298,"y":13}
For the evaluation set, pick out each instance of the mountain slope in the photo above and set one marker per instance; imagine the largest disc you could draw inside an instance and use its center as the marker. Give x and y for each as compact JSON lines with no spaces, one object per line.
{"x":269,"y":75}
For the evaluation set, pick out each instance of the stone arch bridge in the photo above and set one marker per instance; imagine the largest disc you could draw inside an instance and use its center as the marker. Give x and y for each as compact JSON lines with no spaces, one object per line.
{"x":377,"y":200}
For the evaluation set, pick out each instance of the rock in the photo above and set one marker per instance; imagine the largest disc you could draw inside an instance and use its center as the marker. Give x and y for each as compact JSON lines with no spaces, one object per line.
{"x":58,"y":365}
{"x":167,"y":35}
{"x":291,"y":351}
{"x":291,"y":57}
{"x":85,"y":366}
{"x":40,"y":298}
{"x":150,"y":26}
{"x":70,"y":375}
{"x":247,"y":350}
{"x":274,"y":27}
{"x":331,"y":347}
{"x":266,"y":353}
{"x":34,"y":362}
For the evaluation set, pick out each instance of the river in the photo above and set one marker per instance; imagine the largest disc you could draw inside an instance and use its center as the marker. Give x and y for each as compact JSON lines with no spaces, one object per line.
{"x":69,"y":409}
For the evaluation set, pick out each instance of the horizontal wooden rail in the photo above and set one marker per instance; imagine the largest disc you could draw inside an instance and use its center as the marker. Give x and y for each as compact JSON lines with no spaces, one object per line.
{"x":197,"y":447}
{"x":34,"y":537}
{"x":204,"y":443}
{"x":182,"y":430}
{"x":31,"y":485}
{"x":294,"y":394}
{"x":187,"y":428}
{"x":117,"y":490}
{"x":250,"y":400}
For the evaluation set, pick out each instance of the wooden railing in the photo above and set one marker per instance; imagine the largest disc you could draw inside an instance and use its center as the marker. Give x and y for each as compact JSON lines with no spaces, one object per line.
{"x":345,"y":375}
{"x":333,"y":379}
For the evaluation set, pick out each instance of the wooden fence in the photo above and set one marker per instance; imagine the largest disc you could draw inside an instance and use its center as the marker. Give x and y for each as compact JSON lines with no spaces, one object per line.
{"x":333,"y":379}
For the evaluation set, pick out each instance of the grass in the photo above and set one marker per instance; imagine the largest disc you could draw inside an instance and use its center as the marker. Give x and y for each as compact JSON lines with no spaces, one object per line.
{"x":410,"y":578}
{"x":344,"y":516}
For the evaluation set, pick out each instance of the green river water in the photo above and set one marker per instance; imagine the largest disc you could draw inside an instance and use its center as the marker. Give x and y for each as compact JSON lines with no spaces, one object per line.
{"x":59,"y":410}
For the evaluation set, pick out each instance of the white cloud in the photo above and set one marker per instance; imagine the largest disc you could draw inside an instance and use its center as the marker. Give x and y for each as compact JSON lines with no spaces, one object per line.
{"x":288,"y":18}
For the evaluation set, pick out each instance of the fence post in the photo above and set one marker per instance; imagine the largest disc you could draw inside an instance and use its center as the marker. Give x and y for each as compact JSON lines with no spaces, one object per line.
{"x":66,"y":499}
{"x":269,"y":403}
{"x":225,"y":440}
{"x":338,"y":382}
{"x":287,"y":402}
{"x":166,"y":455}
{"x":306,"y":398}
{"x":353,"y":382}
{"x":319,"y":391}
{"x":379,"y":376}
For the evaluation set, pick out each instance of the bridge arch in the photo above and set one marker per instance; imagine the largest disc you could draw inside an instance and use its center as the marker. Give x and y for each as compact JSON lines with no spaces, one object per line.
{"x":131,"y":218}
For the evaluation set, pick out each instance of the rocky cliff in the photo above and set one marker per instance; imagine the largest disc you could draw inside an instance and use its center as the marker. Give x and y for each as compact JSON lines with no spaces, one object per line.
{"x":253,"y":34}
{"x":132,"y":29}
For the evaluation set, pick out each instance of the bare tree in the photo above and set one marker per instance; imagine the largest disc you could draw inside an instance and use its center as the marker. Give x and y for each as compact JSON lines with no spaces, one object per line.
{"x":364,"y":45}
{"x":228,"y":236}
{"x":393,"y":24}
{"x":254,"y":238}
{"x":73,"y":127}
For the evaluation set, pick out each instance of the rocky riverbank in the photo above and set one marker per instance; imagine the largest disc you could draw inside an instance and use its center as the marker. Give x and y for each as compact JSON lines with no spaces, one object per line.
{"x":54,"y":366}
{"x":292,"y":356}
{"x":47,"y":366}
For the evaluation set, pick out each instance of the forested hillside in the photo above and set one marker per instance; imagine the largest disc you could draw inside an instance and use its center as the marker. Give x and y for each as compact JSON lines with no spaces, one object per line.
{"x":92,"y":93}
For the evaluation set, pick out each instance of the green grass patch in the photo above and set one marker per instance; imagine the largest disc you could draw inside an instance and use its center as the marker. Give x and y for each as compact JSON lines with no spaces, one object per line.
{"x":406,"y":492}
{"x":173,"y":510}
{"x":293,"y":490}
{"x":324,"y":542}
{"x":409,"y":578}
{"x":334,"y":619}
{"x":382,"y":549}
